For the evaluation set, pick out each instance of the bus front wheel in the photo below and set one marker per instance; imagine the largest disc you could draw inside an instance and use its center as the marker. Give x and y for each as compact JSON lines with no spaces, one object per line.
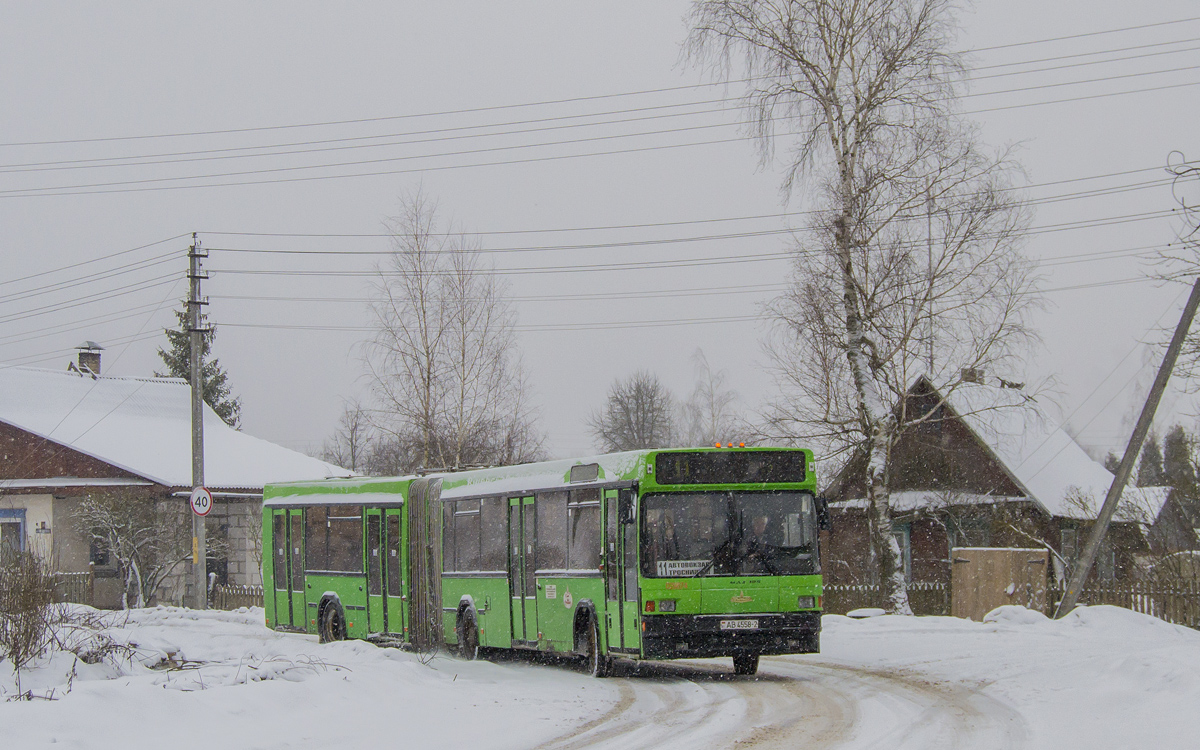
{"x":598,"y":663}
{"x":745,"y":664}
{"x":333,"y":623}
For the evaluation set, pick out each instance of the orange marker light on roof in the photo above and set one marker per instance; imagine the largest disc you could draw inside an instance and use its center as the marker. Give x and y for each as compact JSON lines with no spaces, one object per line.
{"x":741,"y":445}
{"x":718,"y":445}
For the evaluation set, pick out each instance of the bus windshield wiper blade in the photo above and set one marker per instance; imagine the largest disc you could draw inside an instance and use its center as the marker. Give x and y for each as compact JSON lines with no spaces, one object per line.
{"x":712,"y":560}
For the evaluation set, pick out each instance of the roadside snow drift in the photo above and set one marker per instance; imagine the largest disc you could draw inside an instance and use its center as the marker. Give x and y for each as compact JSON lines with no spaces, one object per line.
{"x":1100,"y":678}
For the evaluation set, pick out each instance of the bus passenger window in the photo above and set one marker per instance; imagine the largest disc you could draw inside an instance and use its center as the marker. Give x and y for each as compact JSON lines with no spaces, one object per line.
{"x":493,"y":522}
{"x":316,"y":538}
{"x":345,"y":538}
{"x":466,"y":535}
{"x":583,"y":551}
{"x":552,"y":531}
{"x":448,"y":536}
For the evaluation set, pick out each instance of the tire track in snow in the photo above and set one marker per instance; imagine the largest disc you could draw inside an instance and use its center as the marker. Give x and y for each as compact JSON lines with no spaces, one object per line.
{"x":794,"y":702}
{"x":901,"y":708}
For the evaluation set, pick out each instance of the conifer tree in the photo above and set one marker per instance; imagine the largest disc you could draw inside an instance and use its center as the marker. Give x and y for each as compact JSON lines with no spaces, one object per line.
{"x":178,"y":359}
{"x":1150,"y":467}
{"x":1178,"y":470}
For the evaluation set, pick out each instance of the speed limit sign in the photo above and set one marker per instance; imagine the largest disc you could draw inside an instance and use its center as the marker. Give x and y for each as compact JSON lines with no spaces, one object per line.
{"x":201,"y":501}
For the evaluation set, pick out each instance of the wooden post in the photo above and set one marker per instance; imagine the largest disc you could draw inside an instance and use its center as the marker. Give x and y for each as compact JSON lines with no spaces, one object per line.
{"x":1088,"y":556}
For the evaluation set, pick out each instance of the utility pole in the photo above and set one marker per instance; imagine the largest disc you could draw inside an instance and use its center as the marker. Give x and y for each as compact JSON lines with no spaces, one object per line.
{"x":195,"y":334}
{"x":1088,"y":556}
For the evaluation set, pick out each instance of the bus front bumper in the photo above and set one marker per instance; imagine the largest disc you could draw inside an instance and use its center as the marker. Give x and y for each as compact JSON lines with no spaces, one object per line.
{"x":691,"y":636}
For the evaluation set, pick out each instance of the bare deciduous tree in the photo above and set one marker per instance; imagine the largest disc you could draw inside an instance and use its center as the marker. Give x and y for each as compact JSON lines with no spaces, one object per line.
{"x":147,"y":538}
{"x":350,"y":445}
{"x":708,"y":414}
{"x":639,"y":413}
{"x":915,"y":249}
{"x":444,"y":361}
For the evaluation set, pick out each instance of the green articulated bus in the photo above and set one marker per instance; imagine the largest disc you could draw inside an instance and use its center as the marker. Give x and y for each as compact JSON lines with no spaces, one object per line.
{"x":652,"y":554}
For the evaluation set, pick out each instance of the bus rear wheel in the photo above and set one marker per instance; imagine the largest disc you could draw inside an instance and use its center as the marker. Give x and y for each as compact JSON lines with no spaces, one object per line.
{"x":745,"y":664}
{"x":468,"y":637}
{"x":333,"y":624}
{"x":598,"y":663}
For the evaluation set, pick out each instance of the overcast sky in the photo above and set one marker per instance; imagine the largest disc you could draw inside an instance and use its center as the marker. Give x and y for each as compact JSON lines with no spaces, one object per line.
{"x":285,"y":126}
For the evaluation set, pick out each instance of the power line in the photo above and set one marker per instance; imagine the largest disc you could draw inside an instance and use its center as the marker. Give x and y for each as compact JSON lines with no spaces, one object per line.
{"x":502,"y":107}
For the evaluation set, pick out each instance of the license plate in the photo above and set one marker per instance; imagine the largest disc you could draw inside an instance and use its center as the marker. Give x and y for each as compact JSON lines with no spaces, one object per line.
{"x":739,"y":624}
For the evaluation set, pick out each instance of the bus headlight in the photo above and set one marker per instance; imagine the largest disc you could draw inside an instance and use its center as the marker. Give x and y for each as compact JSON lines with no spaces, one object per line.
{"x":666,"y":605}
{"x":806,"y":602}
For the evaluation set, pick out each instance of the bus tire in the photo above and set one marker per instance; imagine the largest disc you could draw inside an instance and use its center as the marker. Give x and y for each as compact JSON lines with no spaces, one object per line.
{"x":598,"y":663}
{"x":467,"y":634}
{"x":745,"y":664}
{"x":332,"y":625}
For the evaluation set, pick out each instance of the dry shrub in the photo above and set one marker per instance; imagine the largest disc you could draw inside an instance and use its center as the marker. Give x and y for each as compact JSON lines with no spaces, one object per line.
{"x":26,"y":609}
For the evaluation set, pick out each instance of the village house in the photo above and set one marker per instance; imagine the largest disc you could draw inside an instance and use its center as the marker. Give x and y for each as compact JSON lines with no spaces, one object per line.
{"x":68,"y":435}
{"x":986,"y":468}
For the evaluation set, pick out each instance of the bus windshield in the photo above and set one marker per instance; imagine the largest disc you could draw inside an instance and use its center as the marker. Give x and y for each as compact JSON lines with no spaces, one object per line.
{"x":728,"y":534}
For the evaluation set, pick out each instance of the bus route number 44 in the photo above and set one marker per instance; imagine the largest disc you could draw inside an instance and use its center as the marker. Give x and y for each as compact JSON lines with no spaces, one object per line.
{"x":201,"y":501}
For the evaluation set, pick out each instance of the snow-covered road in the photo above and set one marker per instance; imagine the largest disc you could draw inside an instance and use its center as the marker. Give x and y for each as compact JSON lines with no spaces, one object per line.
{"x":1101,"y":678}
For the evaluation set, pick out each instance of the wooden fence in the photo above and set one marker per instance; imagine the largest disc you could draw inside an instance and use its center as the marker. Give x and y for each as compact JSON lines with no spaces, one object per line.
{"x":76,"y":588}
{"x":925,"y":598}
{"x":232,"y":596}
{"x":1178,"y":604}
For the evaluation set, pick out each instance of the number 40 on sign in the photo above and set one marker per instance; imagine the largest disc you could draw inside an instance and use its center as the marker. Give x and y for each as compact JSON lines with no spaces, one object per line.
{"x":201,"y":501}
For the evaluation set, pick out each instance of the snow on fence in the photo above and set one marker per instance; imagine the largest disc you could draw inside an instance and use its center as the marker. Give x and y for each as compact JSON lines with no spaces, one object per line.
{"x":1176,"y":603}
{"x":232,"y":596}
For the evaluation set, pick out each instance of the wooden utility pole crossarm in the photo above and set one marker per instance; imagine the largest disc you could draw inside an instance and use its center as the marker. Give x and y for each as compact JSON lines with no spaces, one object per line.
{"x":1088,"y":556}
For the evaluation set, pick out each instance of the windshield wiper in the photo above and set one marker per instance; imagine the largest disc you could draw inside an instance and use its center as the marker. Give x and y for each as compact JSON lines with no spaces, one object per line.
{"x":712,"y":560}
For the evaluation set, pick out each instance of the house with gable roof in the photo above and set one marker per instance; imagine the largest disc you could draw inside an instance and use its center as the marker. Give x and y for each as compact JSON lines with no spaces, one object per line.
{"x":67,"y":434}
{"x":984,"y":467}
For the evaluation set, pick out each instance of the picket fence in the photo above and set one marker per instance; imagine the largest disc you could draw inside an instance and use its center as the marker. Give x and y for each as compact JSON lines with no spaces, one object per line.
{"x":1176,"y":603}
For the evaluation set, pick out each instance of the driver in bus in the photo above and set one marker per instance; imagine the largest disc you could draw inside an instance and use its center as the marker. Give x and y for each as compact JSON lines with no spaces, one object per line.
{"x":754,"y":546}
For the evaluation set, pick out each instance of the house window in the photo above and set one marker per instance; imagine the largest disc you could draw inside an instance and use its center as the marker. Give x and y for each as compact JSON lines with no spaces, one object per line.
{"x":903,"y":535}
{"x":12,"y":531}
{"x":968,"y":532}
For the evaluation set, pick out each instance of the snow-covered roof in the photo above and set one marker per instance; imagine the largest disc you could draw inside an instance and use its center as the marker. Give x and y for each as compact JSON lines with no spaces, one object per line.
{"x":1037,"y":454}
{"x":143,"y":425}
{"x":1040,"y":456}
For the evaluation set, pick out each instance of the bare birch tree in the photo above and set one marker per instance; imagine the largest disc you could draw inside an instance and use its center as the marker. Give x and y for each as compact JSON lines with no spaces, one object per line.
{"x":915,"y":247}
{"x":444,"y":361}
{"x":638,"y":413}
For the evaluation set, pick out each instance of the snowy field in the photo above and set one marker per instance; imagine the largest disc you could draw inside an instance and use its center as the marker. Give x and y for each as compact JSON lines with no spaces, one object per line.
{"x":1101,"y":678}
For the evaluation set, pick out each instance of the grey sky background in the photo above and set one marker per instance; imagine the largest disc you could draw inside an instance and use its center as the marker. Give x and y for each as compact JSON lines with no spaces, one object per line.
{"x":632,"y":228}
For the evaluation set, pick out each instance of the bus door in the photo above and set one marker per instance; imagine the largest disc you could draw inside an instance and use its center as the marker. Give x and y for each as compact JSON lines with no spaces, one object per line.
{"x":620,"y":570}
{"x":627,"y":518}
{"x":376,"y":554}
{"x":287,"y":534}
{"x":393,"y":586}
{"x":522,"y":584}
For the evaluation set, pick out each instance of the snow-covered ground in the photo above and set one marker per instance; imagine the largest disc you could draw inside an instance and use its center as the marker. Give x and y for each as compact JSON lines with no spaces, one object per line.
{"x":1101,"y":678}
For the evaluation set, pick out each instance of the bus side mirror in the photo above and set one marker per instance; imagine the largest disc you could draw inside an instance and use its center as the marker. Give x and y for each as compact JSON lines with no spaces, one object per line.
{"x":625,"y":507}
{"x":823,"y":522}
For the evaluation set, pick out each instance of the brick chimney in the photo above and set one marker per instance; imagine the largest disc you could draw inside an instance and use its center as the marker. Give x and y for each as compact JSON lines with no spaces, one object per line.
{"x":89,"y":357}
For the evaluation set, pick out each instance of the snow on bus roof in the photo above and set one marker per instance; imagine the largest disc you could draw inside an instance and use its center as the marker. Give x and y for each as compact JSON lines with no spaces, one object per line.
{"x":143,"y":425}
{"x":538,"y":475}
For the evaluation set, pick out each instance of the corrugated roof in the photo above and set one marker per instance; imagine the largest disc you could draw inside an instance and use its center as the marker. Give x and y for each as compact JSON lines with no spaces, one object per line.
{"x":143,"y":425}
